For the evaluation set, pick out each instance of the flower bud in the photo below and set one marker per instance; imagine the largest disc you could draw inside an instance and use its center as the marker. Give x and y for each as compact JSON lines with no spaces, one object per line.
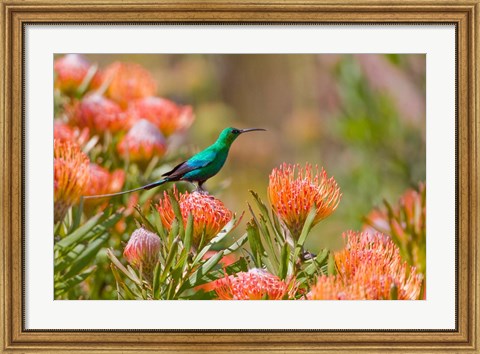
{"x":142,"y":251}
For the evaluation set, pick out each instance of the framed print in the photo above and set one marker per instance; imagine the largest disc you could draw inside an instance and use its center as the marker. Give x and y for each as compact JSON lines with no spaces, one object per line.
{"x":240,"y":177}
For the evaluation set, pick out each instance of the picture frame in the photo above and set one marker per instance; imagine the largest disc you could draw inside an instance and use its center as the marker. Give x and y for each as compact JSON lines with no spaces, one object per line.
{"x":16,"y":14}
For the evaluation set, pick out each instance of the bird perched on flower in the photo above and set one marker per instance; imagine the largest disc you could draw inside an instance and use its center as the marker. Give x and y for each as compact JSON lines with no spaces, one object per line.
{"x":201,"y":166}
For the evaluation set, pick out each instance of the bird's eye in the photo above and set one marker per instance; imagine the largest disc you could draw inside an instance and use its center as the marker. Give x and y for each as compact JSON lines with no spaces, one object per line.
{"x":236,"y":131}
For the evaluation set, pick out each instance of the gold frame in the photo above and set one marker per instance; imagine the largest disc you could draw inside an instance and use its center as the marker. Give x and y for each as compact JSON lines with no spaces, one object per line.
{"x":464,"y":14}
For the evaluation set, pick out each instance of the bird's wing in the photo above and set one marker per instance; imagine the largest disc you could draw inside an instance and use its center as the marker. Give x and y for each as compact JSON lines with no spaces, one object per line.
{"x":197,"y":161}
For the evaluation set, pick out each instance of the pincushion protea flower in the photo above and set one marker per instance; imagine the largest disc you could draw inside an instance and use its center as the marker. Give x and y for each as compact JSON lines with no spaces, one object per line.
{"x":406,"y":224}
{"x":166,"y":115}
{"x":70,"y":71}
{"x":63,"y":131}
{"x":142,"y":142}
{"x":142,"y":251}
{"x":99,"y":114}
{"x":128,"y":81}
{"x":71,"y":176}
{"x":256,"y":284}
{"x":292,"y":197}
{"x":369,"y":268}
{"x":209,"y":214}
{"x":103,"y":182}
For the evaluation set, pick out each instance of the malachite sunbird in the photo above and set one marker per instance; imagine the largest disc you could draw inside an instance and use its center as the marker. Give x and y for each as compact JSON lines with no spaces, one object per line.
{"x":199,"y":167}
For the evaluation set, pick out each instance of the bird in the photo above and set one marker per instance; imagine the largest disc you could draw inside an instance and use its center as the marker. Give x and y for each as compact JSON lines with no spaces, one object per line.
{"x":199,"y":168}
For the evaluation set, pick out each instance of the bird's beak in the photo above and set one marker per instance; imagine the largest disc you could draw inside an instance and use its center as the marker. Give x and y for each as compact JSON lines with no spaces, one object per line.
{"x":251,"y":130}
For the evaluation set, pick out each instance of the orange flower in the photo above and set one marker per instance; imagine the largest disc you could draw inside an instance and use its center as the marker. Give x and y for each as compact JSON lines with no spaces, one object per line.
{"x":99,"y":114}
{"x":71,"y":176}
{"x":103,"y":182}
{"x":142,"y":142}
{"x":166,"y":115}
{"x":142,"y":251}
{"x":70,"y":71}
{"x":209,"y":214}
{"x":63,"y":131}
{"x":256,"y":284}
{"x":128,"y":81}
{"x":406,"y":224}
{"x":292,"y":197}
{"x":369,"y":268}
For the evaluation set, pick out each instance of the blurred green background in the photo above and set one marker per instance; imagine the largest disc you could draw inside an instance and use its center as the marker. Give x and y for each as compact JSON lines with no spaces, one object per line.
{"x":361,"y":117}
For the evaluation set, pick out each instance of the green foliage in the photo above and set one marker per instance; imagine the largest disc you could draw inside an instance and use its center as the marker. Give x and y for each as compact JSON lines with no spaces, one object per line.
{"x":272,"y":247}
{"x":180,"y":268}
{"x":77,"y":250}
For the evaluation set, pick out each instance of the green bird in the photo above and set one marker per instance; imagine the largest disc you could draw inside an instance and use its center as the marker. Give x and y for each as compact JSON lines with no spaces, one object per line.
{"x":200,"y":167}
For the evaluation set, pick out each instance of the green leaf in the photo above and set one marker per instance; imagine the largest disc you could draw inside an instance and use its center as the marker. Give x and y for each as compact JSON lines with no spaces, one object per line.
{"x":239,"y":266}
{"x":87,"y":255}
{"x":96,"y":227}
{"x":176,"y":209}
{"x":271,"y":259}
{"x":265,"y":213}
{"x":201,"y":295}
{"x":307,"y":227}
{"x":188,"y":236}
{"x":332,"y":268}
{"x":315,"y":266}
{"x":129,"y":295}
{"x":156,"y":280}
{"x":170,"y":259}
{"x":284,"y":261}
{"x":158,"y":224}
{"x":196,"y":277}
{"x":255,"y":244}
{"x":78,"y":234}
{"x":77,"y":217}
{"x":236,"y":245}
{"x":63,"y":287}
{"x":173,"y":232}
{"x":63,"y":262}
{"x":220,"y":237}
{"x":146,"y":223}
{"x":120,"y":266}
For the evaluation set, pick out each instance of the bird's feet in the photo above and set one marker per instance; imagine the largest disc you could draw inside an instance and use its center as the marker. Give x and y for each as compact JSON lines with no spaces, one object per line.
{"x":201,"y":191}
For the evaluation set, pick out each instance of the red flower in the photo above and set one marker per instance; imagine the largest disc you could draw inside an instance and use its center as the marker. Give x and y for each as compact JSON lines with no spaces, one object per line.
{"x":63,"y":131}
{"x":128,"y":81}
{"x":292,"y":197}
{"x":166,"y":115}
{"x":71,"y":176}
{"x":256,"y":284}
{"x":142,"y":142}
{"x":209,"y":214}
{"x":369,"y":268}
{"x":142,"y":251}
{"x":70,"y":71}
{"x":99,"y":114}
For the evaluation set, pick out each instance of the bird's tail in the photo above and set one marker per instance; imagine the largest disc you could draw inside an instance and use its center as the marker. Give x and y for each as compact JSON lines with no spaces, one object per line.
{"x":146,"y":187}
